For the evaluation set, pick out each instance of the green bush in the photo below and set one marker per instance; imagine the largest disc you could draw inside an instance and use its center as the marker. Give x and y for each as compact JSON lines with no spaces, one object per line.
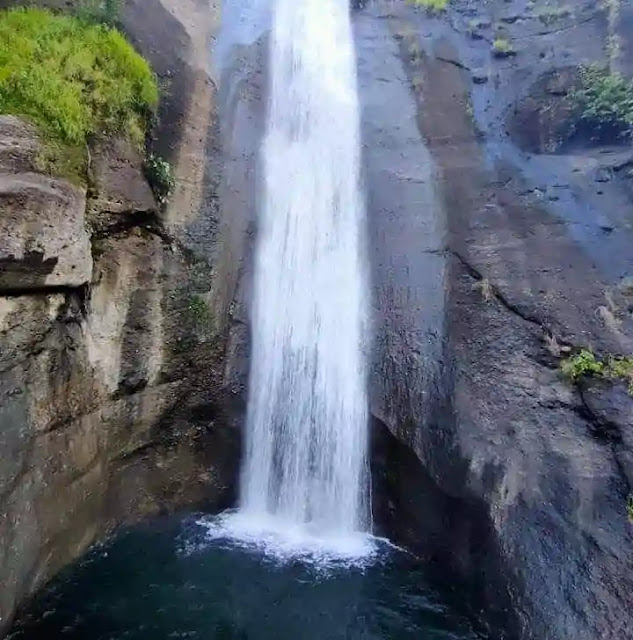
{"x":159,"y":175}
{"x":582,"y":364}
{"x":604,"y":101}
{"x":585,"y":364}
{"x":73,"y":79}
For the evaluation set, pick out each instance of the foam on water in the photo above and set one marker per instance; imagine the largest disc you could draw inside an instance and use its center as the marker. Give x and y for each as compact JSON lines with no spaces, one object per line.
{"x":286,"y":541}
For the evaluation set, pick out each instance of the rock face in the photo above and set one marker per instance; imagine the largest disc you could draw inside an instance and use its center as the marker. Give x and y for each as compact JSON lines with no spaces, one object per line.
{"x":44,"y":239}
{"x":115,"y":340}
{"x":497,"y":248}
{"x":497,"y":244}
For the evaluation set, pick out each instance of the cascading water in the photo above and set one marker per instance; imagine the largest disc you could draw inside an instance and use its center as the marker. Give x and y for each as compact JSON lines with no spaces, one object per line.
{"x":306,"y":456}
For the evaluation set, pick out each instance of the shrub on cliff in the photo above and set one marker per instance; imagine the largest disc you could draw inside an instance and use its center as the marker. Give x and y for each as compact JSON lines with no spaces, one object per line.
{"x":73,"y":79}
{"x":604,"y":102}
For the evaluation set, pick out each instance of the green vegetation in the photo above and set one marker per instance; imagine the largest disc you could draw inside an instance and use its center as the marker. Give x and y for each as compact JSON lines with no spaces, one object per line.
{"x":629,"y":507}
{"x":604,"y":101}
{"x":100,"y":11}
{"x":585,"y":364}
{"x":435,"y":6}
{"x":73,"y":79}
{"x":502,"y":48}
{"x":581,"y":365}
{"x":159,"y":175}
{"x":199,"y":310}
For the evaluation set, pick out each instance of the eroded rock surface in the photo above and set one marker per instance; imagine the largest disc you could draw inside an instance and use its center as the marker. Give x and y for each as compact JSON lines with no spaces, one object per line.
{"x":499,"y":472}
{"x":114,"y":403}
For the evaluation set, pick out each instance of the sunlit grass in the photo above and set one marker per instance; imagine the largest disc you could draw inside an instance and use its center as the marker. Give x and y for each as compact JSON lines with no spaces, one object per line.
{"x":73,"y":79}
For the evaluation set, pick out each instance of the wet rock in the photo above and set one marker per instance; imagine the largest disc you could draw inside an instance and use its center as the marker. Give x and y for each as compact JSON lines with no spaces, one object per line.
{"x":500,"y":473}
{"x":542,"y":121}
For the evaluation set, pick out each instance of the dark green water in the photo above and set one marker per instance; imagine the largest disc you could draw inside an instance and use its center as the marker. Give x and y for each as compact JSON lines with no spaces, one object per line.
{"x":167,"y":580}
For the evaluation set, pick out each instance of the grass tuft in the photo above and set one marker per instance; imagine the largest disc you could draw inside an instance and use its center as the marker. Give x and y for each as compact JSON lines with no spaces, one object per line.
{"x":581,"y":365}
{"x":72,"y":78}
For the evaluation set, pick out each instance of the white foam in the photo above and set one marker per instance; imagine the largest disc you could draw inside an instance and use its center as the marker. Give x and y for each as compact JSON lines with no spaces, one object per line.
{"x":286,"y":541}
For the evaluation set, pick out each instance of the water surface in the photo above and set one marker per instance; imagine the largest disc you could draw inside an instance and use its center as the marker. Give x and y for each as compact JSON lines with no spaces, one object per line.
{"x":171,"y":579}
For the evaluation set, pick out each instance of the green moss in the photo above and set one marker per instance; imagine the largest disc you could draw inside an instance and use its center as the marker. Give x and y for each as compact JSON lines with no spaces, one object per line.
{"x":73,"y":79}
{"x":604,"y":101}
{"x":431,"y":5}
{"x":629,"y":507}
{"x":67,"y":161}
{"x":585,"y":364}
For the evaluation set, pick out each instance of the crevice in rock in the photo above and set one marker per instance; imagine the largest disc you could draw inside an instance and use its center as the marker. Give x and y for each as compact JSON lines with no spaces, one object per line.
{"x":131,"y":220}
{"x":455,"y":63}
{"x":605,"y":431}
{"x":44,"y":290}
{"x":509,"y":306}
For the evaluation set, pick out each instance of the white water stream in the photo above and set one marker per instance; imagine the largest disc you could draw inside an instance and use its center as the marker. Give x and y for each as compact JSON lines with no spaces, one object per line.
{"x":305,"y":467}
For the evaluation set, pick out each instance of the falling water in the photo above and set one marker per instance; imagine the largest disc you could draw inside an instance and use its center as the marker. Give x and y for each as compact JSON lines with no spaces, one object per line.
{"x":306,"y":466}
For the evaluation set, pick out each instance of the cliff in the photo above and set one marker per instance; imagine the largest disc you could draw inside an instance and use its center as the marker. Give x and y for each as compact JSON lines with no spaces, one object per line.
{"x":498,"y":245}
{"x":501,"y":244}
{"x":114,"y":401}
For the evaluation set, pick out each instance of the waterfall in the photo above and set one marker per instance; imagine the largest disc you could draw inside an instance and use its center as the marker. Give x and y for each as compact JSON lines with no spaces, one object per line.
{"x":305,"y":464}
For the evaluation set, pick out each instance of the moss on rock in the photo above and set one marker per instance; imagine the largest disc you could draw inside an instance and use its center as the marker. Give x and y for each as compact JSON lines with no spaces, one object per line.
{"x":75,"y":80}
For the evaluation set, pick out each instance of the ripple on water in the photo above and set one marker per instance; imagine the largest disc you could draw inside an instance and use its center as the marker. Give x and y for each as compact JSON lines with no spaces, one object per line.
{"x":205,"y":578}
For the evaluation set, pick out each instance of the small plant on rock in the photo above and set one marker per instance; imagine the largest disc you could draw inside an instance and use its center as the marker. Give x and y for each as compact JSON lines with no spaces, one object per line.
{"x":585,"y":364}
{"x":160,"y":176}
{"x":549,"y":15}
{"x":629,"y":507}
{"x":435,"y":6}
{"x":199,"y":309}
{"x":502,"y":48}
{"x":582,"y":364}
{"x":618,"y":368}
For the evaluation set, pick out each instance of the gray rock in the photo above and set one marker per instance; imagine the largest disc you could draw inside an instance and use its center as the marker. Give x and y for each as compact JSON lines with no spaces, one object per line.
{"x":43,"y":237}
{"x":491,"y":466}
{"x":118,"y":180}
